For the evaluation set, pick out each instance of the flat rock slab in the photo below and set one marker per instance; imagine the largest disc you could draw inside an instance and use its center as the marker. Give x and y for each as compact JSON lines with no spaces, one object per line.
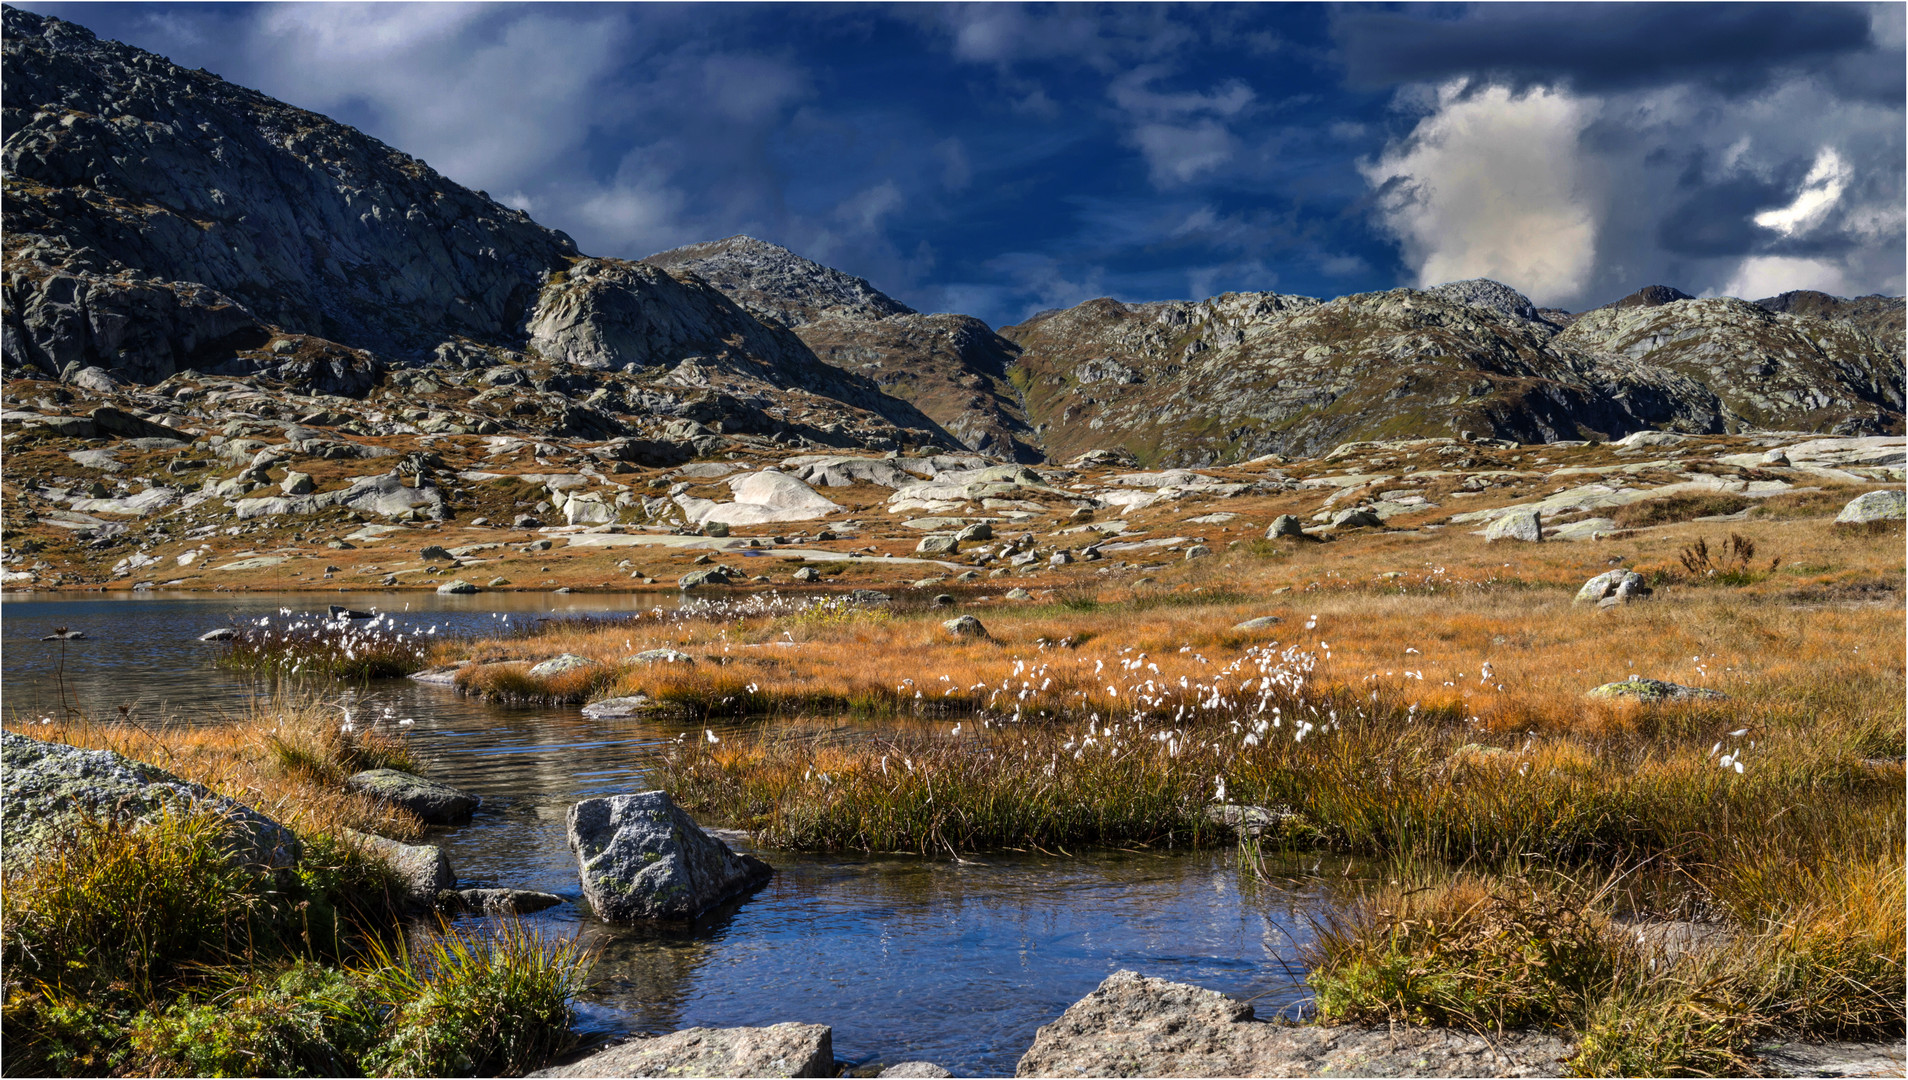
{"x":437,"y":804}
{"x":48,"y":787}
{"x":776,"y":1050}
{"x":1834,"y":1059}
{"x":1139,"y":1026}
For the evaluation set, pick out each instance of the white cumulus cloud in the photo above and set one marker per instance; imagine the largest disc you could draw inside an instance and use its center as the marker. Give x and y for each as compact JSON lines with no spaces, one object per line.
{"x":1492,"y":183}
{"x":1821,"y":189}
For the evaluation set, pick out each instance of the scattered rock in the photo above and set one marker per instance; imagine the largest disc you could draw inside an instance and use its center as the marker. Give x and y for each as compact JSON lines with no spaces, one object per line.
{"x":422,"y":870}
{"x":980,"y":530}
{"x":436,"y":553}
{"x":1019,"y":594}
{"x":868,"y":597}
{"x":1263,"y":622}
{"x":1285,"y":525}
{"x":696,"y":579}
{"x":776,"y":1050}
{"x":501,"y":901}
{"x":966,"y":626}
{"x":296,"y":483}
{"x":459,"y":587}
{"x":435,"y":803}
{"x":938,"y":545}
{"x":1197,"y":551}
{"x":1356,"y":518}
{"x":1138,"y":1026}
{"x":641,"y":857}
{"x":1889,"y":505}
{"x":1655,"y":690}
{"x":558,"y":665}
{"x":47,"y":788}
{"x":1612,"y":583}
{"x":223,"y":633}
{"x":661,"y":656}
{"x":807,"y":573}
{"x":1524,"y":525}
{"x":622,"y":708}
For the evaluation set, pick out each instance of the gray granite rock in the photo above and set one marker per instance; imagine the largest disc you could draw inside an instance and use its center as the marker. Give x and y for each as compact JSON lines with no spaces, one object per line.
{"x":1263,"y":622}
{"x":914,"y":1069}
{"x":776,"y":1050}
{"x":423,"y":870}
{"x":1874,"y":506}
{"x":47,"y":788}
{"x":1283,"y":526}
{"x":1520,"y":524}
{"x":500,"y":901}
{"x":965,"y":626}
{"x":435,"y":803}
{"x":1612,"y":583}
{"x":622,"y":708}
{"x":1356,"y":518}
{"x":1133,"y":1025}
{"x":640,"y":858}
{"x":459,"y":587}
{"x":661,"y":656}
{"x":558,"y":665}
{"x":937,"y":545}
{"x":1654,"y":690}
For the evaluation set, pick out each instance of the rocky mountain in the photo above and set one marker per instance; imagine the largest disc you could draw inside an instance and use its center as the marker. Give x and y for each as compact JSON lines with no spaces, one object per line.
{"x":1880,"y":316}
{"x":954,"y":368}
{"x":161,"y":220}
{"x":1245,"y":374}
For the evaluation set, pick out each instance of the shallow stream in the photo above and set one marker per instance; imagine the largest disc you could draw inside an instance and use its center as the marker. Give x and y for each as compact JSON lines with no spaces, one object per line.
{"x":908,"y":959}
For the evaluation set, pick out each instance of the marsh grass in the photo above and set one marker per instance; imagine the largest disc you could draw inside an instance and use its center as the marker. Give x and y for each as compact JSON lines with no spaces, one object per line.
{"x":334,"y":650}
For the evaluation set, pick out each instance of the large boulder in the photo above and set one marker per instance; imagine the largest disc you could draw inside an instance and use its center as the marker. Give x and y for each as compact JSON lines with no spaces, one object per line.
{"x":641,"y":857}
{"x":47,"y":788}
{"x":435,"y":803}
{"x":1889,"y":505}
{"x":1519,"y":524}
{"x":1283,"y":526}
{"x":1618,"y":583}
{"x":761,"y":498}
{"x":776,"y":1050}
{"x":1133,"y":1025}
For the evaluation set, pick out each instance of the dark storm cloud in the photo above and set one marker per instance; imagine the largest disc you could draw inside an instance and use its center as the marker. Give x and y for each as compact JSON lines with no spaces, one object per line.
{"x":1603,"y":47}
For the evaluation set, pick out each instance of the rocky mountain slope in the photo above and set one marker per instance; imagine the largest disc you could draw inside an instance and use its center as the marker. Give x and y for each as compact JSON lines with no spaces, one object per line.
{"x":1246,"y":374}
{"x":161,"y":221}
{"x":953,"y":367}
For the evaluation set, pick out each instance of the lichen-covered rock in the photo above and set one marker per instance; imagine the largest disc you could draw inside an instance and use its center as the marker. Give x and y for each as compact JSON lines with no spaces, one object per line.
{"x":641,"y":858}
{"x":559,"y":665}
{"x":661,"y":656}
{"x":1874,"y":506}
{"x":622,"y":708}
{"x":1357,"y":518}
{"x":1263,"y":622}
{"x":1133,"y":1025}
{"x":1619,"y":582}
{"x":47,"y":788}
{"x":422,"y":870}
{"x":776,"y":1050}
{"x":499,"y":901}
{"x":1285,"y":525}
{"x":435,"y":803}
{"x":965,"y":626}
{"x":1654,"y":690}
{"x":938,"y":545}
{"x":459,"y":587}
{"x":1520,"y":524}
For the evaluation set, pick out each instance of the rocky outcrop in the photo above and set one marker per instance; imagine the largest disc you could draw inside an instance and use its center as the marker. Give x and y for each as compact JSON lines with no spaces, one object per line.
{"x":951,"y":367}
{"x":776,"y":1050}
{"x":1133,"y":1025}
{"x":761,"y":498}
{"x":49,"y":788}
{"x":642,"y":858}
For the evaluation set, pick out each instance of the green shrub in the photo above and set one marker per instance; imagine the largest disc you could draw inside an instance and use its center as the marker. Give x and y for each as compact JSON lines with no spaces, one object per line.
{"x":307,"y":1021}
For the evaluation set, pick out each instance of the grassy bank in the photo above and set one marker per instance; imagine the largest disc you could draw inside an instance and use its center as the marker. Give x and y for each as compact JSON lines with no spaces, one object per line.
{"x":147,"y":949}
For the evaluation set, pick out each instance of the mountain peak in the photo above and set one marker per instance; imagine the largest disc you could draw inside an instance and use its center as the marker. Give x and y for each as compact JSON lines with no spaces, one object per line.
{"x":1483,"y":292}
{"x":776,"y":284}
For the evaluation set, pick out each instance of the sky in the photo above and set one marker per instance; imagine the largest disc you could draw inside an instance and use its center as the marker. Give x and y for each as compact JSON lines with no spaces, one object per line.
{"x":1001,"y":159}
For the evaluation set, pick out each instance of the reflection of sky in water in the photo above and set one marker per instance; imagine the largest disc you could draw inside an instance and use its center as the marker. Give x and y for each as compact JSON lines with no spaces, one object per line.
{"x":905,"y":958}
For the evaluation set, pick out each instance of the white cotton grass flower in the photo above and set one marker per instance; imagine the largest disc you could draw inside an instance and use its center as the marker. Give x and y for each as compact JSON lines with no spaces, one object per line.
{"x":711,"y":735}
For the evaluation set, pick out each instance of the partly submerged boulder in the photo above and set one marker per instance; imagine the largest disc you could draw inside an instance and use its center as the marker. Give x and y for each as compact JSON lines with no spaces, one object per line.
{"x":1133,"y":1025}
{"x":435,"y":803}
{"x":641,"y":857}
{"x":422,"y":870}
{"x":49,"y":788}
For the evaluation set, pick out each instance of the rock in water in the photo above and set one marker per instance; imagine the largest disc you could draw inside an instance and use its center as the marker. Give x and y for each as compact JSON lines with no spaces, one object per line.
{"x":641,"y":857}
{"x":1517,"y":525}
{"x":48,"y":788}
{"x":776,"y":1050}
{"x":914,"y":1069}
{"x":1874,"y":506}
{"x":435,"y":803}
{"x":1138,"y":1026}
{"x":501,"y":901}
{"x":460,"y":587}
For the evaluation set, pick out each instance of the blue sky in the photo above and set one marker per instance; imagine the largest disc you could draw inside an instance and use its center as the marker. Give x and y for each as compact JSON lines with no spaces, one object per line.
{"x":1002,"y":159}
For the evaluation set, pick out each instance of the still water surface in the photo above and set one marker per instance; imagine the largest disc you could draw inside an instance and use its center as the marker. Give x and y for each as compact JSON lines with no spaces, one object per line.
{"x":908,"y":959}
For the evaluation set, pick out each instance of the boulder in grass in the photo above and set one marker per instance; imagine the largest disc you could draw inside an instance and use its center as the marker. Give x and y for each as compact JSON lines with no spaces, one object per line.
{"x":48,"y":788}
{"x":1357,"y":518}
{"x":1263,"y":622}
{"x":1613,"y":583}
{"x":1889,"y":505}
{"x":422,"y":870}
{"x":937,"y":545}
{"x":560,"y":665}
{"x":1653,"y":691}
{"x":776,"y":1050}
{"x":641,"y":858}
{"x":966,"y":626}
{"x":1285,"y":525}
{"x":434,"y":803}
{"x":1523,"y":525}
{"x":662,"y":656}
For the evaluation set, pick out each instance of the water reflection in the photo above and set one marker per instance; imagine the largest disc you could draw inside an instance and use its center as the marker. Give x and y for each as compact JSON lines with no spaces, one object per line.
{"x":956,"y":963}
